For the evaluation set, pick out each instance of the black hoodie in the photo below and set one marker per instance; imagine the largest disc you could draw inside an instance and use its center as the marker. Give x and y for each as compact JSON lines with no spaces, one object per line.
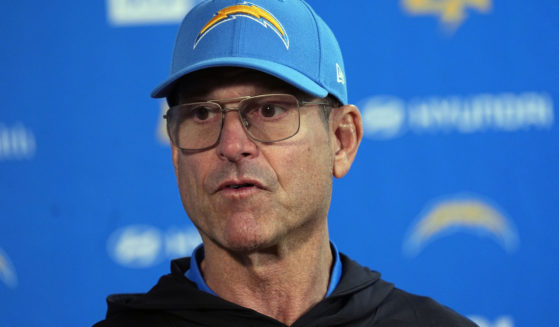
{"x":361,"y":299}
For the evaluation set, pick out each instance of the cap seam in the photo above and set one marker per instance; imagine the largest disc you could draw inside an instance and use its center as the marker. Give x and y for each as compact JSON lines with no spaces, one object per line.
{"x":319,"y":37}
{"x":239,"y":27}
{"x":179,"y":33}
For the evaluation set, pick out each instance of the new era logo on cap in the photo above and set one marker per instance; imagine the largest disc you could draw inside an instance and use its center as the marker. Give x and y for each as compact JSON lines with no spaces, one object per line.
{"x":340,"y":74}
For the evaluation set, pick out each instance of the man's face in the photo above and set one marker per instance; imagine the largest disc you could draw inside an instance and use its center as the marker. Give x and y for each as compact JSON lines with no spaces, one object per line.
{"x":285,"y":187}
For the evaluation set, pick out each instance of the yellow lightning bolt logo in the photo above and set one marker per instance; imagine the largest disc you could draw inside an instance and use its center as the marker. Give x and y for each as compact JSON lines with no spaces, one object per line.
{"x":462,"y":213}
{"x":451,"y":12}
{"x":245,"y":10}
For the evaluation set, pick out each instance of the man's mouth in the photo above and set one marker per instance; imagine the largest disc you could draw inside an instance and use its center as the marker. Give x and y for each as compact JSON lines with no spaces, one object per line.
{"x":238,"y":186}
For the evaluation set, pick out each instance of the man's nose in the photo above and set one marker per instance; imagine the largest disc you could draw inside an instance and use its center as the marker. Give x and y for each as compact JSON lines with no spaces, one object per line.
{"x":234,"y":143}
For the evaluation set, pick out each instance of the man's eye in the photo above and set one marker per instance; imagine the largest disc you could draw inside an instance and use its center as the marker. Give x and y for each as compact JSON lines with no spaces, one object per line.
{"x":201,"y":113}
{"x":270,"y":110}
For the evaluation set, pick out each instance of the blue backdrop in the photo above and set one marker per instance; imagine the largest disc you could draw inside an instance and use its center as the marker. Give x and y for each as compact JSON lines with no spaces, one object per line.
{"x":453,"y":194}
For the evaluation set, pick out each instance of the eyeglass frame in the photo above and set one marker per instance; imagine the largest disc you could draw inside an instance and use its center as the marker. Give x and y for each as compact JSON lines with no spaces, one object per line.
{"x":244,"y":123}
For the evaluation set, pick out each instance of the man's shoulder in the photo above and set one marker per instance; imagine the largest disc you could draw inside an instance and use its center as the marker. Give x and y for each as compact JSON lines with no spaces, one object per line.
{"x":150,"y":308}
{"x":393,"y":306}
{"x":401,"y":308}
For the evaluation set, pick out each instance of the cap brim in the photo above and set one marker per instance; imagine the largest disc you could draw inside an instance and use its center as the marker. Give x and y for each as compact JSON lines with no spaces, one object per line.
{"x":282,"y":72}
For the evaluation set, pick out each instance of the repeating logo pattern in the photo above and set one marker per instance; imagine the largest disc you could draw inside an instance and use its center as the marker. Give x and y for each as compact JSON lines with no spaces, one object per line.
{"x":143,"y":246}
{"x":17,"y":142}
{"x":387,"y":117}
{"x":144,"y":12}
{"x":467,"y":213}
{"x":451,"y":12}
{"x":161,"y":132}
{"x":503,"y":321}
{"x":7,"y":271}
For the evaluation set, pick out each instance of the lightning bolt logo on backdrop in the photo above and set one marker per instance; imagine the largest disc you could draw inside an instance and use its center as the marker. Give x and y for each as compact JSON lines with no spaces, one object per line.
{"x":451,"y":12}
{"x":246,"y":10}
{"x":464,"y":213}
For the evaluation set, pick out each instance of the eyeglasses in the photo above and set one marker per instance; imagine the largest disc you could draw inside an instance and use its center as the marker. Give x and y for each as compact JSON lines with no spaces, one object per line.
{"x":265,"y":118}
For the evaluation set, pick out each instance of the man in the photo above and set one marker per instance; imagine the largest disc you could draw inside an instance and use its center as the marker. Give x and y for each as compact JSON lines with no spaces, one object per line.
{"x":259,"y":123}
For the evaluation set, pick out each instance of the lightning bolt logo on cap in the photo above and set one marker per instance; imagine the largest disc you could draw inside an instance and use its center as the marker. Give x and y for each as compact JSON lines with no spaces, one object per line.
{"x":246,"y":10}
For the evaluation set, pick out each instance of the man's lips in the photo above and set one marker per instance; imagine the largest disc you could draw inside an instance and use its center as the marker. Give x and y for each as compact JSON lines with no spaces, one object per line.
{"x":239,"y":184}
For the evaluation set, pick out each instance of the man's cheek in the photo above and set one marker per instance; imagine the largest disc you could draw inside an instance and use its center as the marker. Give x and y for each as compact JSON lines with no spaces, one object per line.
{"x":189,"y":188}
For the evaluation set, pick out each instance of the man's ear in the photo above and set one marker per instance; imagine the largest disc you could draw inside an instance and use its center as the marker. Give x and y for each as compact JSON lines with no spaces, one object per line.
{"x":175,"y":152}
{"x":348,"y":132}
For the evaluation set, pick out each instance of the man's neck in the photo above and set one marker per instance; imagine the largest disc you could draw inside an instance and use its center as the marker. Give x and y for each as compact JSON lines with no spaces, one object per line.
{"x":282,"y":282}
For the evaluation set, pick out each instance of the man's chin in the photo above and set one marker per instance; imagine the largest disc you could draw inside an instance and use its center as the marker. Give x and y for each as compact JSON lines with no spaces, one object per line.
{"x":246,"y":232}
{"x":246,"y":244}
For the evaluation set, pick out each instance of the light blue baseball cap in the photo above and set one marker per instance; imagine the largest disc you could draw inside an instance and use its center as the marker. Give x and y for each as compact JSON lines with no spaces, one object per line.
{"x":283,"y":38}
